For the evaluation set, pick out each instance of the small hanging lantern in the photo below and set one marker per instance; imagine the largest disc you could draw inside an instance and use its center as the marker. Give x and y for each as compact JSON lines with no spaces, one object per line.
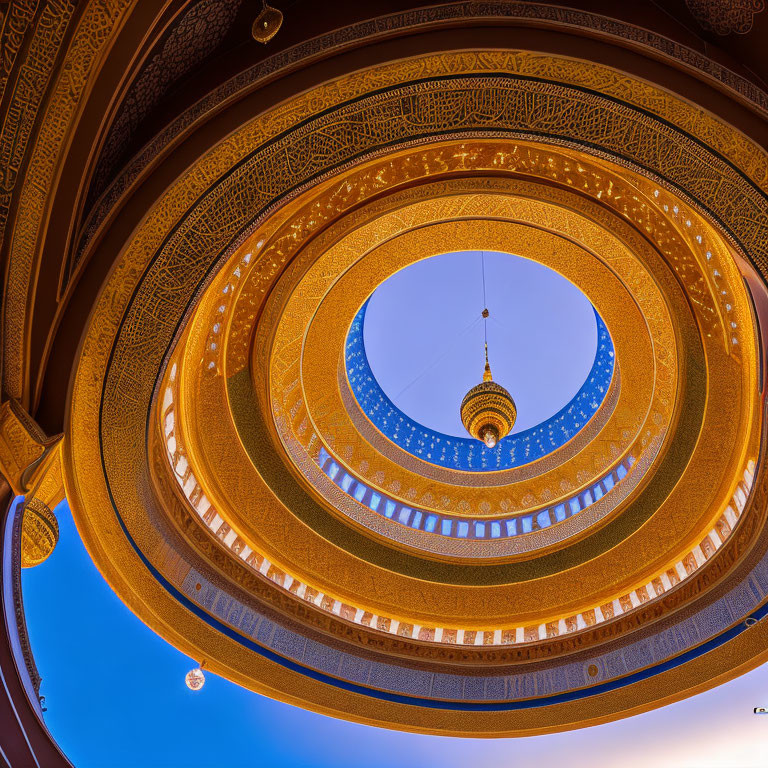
{"x":267,"y":23}
{"x":195,"y":679}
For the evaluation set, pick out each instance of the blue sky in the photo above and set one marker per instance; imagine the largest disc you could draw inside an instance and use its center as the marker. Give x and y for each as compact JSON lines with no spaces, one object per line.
{"x":116,"y":698}
{"x":115,"y":691}
{"x":424,"y":336}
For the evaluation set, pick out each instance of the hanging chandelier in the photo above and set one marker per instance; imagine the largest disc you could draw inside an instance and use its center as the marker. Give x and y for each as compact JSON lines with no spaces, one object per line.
{"x":488,"y":411}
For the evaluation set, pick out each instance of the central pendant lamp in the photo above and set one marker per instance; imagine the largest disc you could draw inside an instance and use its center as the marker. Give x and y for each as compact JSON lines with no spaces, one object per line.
{"x":488,"y":411}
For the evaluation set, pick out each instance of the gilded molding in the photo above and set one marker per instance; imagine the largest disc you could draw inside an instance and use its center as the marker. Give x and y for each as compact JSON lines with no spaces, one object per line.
{"x":214,"y":518}
{"x":22,"y":447}
{"x":382,"y":27}
{"x":528,"y":233}
{"x":28,"y":87}
{"x":95,"y":30}
{"x":313,"y":609}
{"x":219,"y":296}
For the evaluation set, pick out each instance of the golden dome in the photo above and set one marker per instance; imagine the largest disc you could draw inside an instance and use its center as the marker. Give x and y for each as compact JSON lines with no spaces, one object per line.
{"x":39,"y":534}
{"x":488,"y":411}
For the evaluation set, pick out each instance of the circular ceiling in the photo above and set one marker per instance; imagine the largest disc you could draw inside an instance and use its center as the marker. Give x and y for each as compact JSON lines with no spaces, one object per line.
{"x":236,"y":460}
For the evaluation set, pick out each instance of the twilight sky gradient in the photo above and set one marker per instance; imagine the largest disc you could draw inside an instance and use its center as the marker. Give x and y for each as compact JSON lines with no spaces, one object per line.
{"x":116,"y":699}
{"x":115,"y":691}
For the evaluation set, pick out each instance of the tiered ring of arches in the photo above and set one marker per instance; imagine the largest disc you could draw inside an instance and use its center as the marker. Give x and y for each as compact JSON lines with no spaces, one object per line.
{"x":211,"y":393}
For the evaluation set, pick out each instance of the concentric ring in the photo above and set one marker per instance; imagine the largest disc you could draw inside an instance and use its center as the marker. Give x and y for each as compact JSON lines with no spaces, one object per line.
{"x":324,"y":336}
{"x":346,"y":619}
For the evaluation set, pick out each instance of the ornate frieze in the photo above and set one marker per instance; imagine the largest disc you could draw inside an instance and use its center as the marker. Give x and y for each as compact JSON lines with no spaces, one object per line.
{"x":48,"y":99}
{"x":448,"y":14}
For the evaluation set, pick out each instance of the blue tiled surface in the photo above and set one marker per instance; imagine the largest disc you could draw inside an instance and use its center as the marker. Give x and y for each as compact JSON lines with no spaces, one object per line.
{"x":468,"y":454}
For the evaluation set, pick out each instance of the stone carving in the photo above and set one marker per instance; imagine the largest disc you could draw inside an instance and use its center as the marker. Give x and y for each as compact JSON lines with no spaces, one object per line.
{"x":726,"y":17}
{"x":193,"y":38}
{"x":22,"y":445}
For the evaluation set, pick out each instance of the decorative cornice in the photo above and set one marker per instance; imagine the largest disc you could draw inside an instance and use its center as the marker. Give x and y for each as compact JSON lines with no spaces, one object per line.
{"x":204,"y":217}
{"x":366,"y":32}
{"x":49,"y":95}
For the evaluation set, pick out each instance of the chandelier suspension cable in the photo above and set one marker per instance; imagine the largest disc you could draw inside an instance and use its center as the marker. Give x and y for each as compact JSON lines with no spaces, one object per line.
{"x":485,"y":301}
{"x":485,"y":315}
{"x":482,"y":267}
{"x":435,"y":360}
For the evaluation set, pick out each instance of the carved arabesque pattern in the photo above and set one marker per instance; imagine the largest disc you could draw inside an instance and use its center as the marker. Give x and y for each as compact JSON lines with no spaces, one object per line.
{"x":726,"y":17}
{"x":193,"y":38}
{"x":584,"y":73}
{"x":152,"y":287}
{"x":195,"y":239}
{"x":94,"y":30}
